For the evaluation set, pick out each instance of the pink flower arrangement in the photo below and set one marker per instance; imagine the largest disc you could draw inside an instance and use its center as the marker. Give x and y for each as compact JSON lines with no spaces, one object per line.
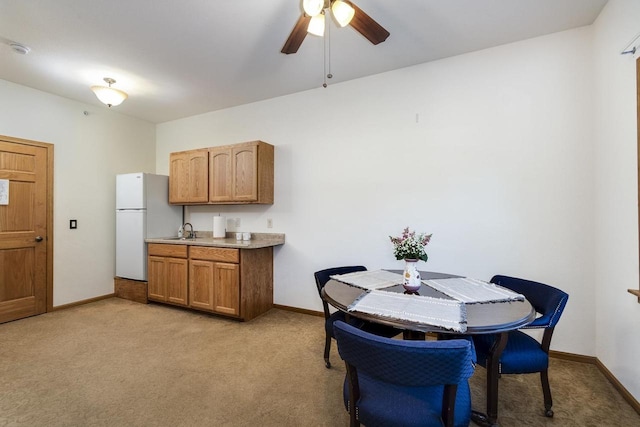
{"x":410,"y":245}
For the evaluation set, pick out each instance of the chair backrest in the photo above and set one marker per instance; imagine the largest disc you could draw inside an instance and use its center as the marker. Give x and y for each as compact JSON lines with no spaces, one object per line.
{"x":400,"y":362}
{"x":545,"y":299}
{"x":323,"y":276}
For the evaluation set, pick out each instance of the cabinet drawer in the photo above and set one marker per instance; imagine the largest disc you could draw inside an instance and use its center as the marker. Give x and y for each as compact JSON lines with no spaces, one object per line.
{"x":175,"y":251}
{"x":215,"y":254}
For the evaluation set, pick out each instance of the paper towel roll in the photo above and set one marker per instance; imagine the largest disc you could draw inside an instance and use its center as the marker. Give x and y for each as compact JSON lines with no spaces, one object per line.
{"x":219,"y":227}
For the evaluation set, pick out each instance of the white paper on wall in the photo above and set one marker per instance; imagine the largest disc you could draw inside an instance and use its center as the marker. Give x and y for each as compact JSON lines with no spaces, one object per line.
{"x":4,"y":191}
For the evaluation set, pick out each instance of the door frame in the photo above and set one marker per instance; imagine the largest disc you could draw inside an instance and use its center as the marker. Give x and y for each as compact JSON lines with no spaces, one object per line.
{"x":49,"y":236}
{"x":636,"y":292}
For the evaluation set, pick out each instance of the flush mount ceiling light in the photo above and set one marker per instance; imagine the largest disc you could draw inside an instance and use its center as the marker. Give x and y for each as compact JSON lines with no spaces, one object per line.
{"x":108,"y":95}
{"x":19,"y":48}
{"x":344,"y":13}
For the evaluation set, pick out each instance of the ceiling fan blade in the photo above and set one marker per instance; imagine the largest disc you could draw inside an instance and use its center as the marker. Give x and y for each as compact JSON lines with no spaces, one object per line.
{"x":297,"y":35}
{"x":366,"y":26}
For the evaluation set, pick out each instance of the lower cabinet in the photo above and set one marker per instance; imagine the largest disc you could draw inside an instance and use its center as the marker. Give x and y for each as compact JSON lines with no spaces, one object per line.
{"x":214,"y":279}
{"x":214,"y":286}
{"x":232,"y":282}
{"x":167,"y":269}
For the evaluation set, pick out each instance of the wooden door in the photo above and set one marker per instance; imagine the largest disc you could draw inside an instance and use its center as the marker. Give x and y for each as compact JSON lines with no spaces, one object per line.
{"x":220,"y":175}
{"x":24,"y":206}
{"x":201,"y":284}
{"x":245,"y":169}
{"x":226,"y":289}
{"x":636,"y":292}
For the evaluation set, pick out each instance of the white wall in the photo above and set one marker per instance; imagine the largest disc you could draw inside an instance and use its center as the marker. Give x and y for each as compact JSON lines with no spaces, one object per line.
{"x":88,"y":152}
{"x":616,"y":251}
{"x":490,"y":151}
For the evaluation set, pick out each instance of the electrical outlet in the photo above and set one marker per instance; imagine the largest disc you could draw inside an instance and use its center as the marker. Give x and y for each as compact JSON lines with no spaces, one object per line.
{"x":237,"y":223}
{"x":269,"y":223}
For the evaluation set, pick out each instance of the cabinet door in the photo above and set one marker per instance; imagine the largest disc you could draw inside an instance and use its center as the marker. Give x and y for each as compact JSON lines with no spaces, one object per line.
{"x":176,"y":280}
{"x":155,"y":276}
{"x":189,"y":177}
{"x":245,"y":173}
{"x":220,"y":175}
{"x":167,"y":279}
{"x":179,"y":177}
{"x":199,"y":176}
{"x":201,"y":284}
{"x":226,"y":289}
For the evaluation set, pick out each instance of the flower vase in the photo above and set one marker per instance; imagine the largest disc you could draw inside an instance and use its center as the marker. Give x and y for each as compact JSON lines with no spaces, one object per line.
{"x":411,"y":277}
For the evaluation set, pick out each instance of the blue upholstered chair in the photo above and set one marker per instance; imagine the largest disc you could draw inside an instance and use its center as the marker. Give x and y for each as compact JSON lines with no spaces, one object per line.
{"x":322,"y":277}
{"x":524,"y":354}
{"x":392,"y":382}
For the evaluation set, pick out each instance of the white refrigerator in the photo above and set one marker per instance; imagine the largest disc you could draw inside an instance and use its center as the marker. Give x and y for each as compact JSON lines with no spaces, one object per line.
{"x":142,"y":211}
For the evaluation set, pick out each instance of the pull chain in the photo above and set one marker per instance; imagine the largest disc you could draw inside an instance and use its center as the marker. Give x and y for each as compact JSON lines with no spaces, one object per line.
{"x":324,"y":62}
{"x":327,"y":58}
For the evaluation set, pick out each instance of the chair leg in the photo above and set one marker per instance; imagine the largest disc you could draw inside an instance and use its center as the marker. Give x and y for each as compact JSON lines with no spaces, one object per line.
{"x":546,"y":391}
{"x":327,"y":350}
{"x":353,"y":422}
{"x":354,"y":394}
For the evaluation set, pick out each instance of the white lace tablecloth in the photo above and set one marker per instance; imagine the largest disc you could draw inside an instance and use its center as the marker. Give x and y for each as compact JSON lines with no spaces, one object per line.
{"x":472,"y":291}
{"x":369,"y":280}
{"x":439,"y":312}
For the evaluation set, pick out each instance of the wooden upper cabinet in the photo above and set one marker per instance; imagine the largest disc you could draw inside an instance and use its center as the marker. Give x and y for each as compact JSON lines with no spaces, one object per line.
{"x":245,"y":171}
{"x":189,"y":177}
{"x":241,"y":173}
{"x":178,"y":177}
{"x":235,"y":174}
{"x":220,"y":175}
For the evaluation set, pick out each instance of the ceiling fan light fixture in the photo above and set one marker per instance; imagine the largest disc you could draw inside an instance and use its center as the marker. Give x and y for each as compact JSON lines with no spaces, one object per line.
{"x":343,"y":12}
{"x":316,"y":25}
{"x":109,"y":95}
{"x":312,"y":7}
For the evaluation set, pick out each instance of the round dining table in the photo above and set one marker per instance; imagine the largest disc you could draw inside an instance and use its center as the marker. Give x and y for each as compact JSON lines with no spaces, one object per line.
{"x":482,"y":318}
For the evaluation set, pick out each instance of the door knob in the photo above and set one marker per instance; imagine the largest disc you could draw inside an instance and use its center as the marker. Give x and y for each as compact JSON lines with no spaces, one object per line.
{"x":38,"y":238}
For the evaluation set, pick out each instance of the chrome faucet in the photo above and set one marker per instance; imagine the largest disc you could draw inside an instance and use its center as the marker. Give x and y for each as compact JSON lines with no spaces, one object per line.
{"x":192,"y":234}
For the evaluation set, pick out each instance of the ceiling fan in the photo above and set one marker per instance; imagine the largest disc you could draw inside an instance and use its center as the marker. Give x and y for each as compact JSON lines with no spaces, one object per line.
{"x":343,"y":11}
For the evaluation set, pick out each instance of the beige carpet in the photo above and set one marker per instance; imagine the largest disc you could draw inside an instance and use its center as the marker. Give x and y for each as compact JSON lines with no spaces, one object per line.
{"x":119,"y":363}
